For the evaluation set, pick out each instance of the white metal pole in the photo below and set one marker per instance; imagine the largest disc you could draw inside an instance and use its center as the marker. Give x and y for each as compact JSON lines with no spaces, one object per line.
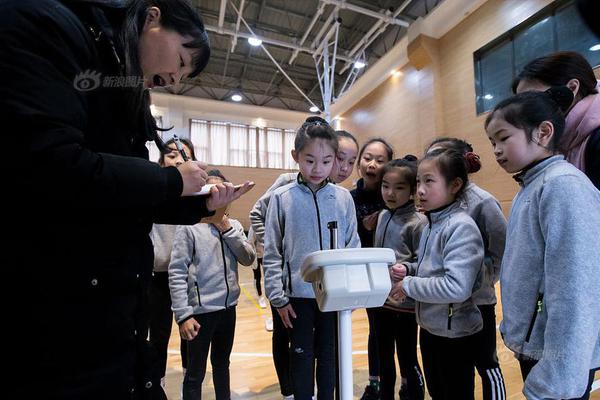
{"x":345,"y":353}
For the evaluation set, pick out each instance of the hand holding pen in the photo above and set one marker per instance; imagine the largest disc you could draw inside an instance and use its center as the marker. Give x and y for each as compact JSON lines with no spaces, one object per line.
{"x":193,"y":173}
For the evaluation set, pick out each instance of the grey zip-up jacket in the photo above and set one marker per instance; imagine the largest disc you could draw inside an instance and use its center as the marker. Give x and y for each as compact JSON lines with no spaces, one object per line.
{"x":162,"y":239}
{"x":448,"y":269}
{"x":487,"y":214}
{"x":550,"y":279}
{"x":258,"y":214}
{"x":296,"y":226}
{"x":400,"y":230}
{"x":203,"y":273}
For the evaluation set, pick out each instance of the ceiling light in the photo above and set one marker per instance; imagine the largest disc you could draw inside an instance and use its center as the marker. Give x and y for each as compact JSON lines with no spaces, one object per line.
{"x":595,"y":47}
{"x":254,"y":41}
{"x":359,"y":64}
{"x":488,"y":97}
{"x":236,"y":97}
{"x":314,"y":109}
{"x":396,"y":73}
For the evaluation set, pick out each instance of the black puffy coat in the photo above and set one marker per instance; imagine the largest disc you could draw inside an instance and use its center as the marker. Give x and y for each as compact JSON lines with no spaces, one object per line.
{"x":81,"y":203}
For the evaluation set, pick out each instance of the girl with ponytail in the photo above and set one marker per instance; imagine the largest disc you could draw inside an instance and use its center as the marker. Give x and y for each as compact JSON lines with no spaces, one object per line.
{"x":487,"y":213}
{"x":549,"y":277}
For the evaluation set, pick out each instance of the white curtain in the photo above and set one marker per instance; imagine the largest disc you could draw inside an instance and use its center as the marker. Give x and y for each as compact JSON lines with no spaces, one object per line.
{"x":219,"y":143}
{"x":238,"y":145}
{"x":200,"y":139}
{"x":153,"y":151}
{"x":274,"y":148}
{"x":288,"y":162}
{"x":252,"y":146}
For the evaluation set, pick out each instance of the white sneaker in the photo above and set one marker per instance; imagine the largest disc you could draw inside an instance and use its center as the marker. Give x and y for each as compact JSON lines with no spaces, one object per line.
{"x":269,"y":324}
{"x":262,"y":302}
{"x":290,"y":397}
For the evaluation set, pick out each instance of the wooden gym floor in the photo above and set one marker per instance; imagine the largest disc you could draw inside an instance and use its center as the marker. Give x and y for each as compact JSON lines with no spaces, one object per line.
{"x":252,"y":372}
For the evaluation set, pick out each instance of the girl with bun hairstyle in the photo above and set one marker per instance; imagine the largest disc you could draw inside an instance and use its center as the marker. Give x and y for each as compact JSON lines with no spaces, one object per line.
{"x":580,"y":141}
{"x":550,"y":273}
{"x":487,"y":214}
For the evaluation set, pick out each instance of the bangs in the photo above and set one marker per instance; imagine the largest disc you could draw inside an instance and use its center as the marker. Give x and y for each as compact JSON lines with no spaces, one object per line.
{"x":201,"y":56}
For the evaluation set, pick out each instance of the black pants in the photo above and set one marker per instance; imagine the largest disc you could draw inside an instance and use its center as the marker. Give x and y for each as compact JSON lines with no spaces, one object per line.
{"x":312,"y":338}
{"x":281,"y":354}
{"x":373,"y":353}
{"x":257,"y":276}
{"x":449,"y":366}
{"x":216,"y":333}
{"x":486,"y":358}
{"x":397,"y":333}
{"x":527,"y":365}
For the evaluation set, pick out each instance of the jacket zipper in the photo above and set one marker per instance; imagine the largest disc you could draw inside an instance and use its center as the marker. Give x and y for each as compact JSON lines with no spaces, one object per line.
{"x":450,"y":313}
{"x":198,"y":293}
{"x":318,"y":218}
{"x":538,"y":309}
{"x":386,"y":227}
{"x":290,"y":276}
{"x":224,"y":271}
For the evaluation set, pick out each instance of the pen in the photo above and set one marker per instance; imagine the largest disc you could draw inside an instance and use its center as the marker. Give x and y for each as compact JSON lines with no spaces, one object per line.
{"x":180,"y":147}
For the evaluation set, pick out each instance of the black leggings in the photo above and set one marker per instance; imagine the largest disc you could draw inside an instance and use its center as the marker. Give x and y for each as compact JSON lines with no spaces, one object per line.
{"x":281,"y":354}
{"x":486,"y":358}
{"x":257,"y":276}
{"x":373,"y":353}
{"x":216,"y":333}
{"x":397,"y":333}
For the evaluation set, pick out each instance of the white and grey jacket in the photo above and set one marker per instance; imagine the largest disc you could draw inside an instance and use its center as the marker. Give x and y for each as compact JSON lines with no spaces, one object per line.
{"x":296,"y":226}
{"x":550,"y":278}
{"x":487,"y":214}
{"x":258,"y":214}
{"x":203,"y":273}
{"x":400,"y":230}
{"x":162,"y":240}
{"x":450,"y":259}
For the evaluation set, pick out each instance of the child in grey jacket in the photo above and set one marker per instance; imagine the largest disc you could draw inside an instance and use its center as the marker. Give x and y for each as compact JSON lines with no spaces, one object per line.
{"x":296,"y":225}
{"x":487,"y":214}
{"x":551,"y":270}
{"x":450,"y":259}
{"x":203,"y":278}
{"x":399,"y":228}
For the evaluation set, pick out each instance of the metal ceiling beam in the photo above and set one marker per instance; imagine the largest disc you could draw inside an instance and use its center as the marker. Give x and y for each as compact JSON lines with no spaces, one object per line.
{"x":237,"y":25}
{"x":348,"y":6}
{"x":222,"y":13}
{"x":310,"y":26}
{"x":274,"y":42}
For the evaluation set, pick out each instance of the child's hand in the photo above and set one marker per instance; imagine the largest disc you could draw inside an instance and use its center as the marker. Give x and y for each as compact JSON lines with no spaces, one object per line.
{"x":224,"y":224}
{"x":189,"y":329}
{"x":398,"y":272}
{"x":287,"y":313}
{"x":370,"y":221}
{"x":397,"y":293}
{"x":224,"y":193}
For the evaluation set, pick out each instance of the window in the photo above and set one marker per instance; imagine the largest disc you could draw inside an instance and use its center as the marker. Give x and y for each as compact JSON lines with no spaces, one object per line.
{"x":227,"y":143}
{"x":555,"y":28}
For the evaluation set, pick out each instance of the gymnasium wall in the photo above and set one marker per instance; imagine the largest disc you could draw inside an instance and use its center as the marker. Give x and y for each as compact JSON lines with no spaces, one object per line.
{"x":433,"y":94}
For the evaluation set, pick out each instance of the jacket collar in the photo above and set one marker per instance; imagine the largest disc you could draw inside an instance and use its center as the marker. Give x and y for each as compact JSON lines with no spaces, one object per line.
{"x":407,"y":208}
{"x":530,"y":172}
{"x":302,"y":182}
{"x":440,"y":213}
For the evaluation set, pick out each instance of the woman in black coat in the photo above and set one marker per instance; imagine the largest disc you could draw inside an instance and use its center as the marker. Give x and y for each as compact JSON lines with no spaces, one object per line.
{"x":81,"y":193}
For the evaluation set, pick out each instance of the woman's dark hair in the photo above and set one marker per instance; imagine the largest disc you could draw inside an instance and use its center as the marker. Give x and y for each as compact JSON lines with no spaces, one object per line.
{"x":472,"y":159}
{"x":177,"y":15}
{"x":451,"y":164}
{"x":217,"y":174}
{"x":408,"y":164}
{"x":388,"y":148}
{"x":348,"y":135}
{"x":315,"y":128}
{"x":187,"y":143}
{"x":528,"y":110}
{"x":557,"y":69}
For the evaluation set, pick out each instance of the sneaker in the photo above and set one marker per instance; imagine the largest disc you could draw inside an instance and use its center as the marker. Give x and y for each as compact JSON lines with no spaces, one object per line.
{"x":262,"y":302}
{"x":290,"y":397}
{"x":370,"y":393}
{"x":269,"y":324}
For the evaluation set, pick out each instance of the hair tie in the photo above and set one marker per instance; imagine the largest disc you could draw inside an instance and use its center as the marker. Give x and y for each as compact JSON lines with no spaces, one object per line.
{"x":473,"y":162}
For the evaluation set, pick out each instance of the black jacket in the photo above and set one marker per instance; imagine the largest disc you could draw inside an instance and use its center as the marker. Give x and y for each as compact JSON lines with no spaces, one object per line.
{"x":366,"y":202}
{"x":82,"y":198}
{"x":592,"y":158}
